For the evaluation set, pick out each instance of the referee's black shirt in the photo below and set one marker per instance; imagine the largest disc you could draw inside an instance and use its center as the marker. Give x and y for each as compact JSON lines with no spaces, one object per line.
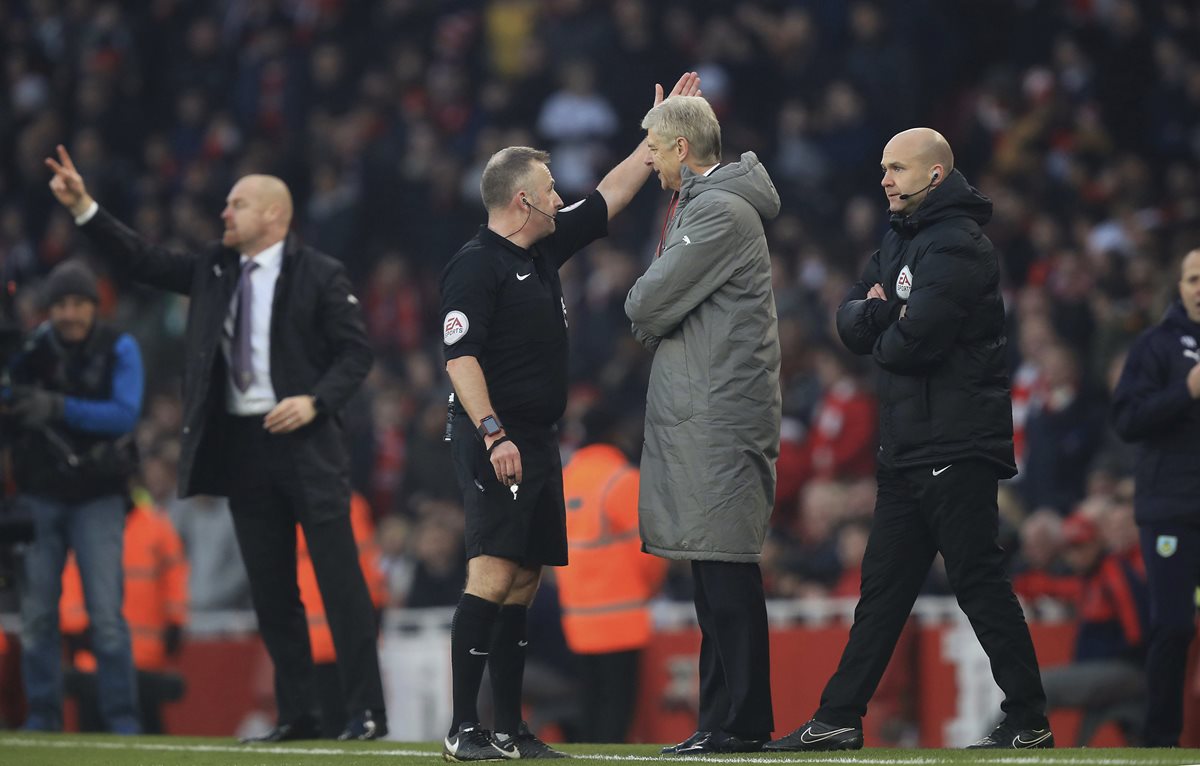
{"x":503,"y":305}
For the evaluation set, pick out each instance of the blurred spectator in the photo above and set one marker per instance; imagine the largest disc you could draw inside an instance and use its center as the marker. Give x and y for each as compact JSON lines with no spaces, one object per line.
{"x":1043,"y":581}
{"x":1105,"y":677}
{"x":1062,"y":434}
{"x":841,"y":442}
{"x":75,"y":399}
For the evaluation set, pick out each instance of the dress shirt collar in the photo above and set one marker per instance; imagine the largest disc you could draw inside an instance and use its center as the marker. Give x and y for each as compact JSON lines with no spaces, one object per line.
{"x":270,"y":259}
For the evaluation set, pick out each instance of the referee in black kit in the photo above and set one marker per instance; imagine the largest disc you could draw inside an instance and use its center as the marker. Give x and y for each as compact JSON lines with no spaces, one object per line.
{"x":505,"y":336}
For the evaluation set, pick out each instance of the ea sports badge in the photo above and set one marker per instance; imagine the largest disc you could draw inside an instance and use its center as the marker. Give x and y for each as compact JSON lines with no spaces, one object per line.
{"x":904,"y":284}
{"x":454,"y":328}
{"x":1166,"y":545}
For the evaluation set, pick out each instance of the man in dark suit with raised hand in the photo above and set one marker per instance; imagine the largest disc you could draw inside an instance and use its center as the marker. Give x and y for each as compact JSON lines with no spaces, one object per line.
{"x":275,"y":347}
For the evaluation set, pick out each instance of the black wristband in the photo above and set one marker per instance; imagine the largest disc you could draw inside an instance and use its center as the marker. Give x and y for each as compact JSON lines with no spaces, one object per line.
{"x":497,"y":443}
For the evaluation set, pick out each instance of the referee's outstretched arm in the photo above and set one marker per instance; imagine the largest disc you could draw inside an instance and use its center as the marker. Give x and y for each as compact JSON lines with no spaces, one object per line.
{"x":630,"y":174}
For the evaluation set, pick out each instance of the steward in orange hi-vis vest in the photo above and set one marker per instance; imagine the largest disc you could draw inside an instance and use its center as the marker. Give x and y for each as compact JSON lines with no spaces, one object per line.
{"x":368,"y":558}
{"x":606,"y":587}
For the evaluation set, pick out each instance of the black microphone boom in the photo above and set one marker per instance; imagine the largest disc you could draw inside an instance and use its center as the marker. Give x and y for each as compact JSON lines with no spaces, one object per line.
{"x":909,"y":196}
{"x":535,"y":207}
{"x":918,"y":191}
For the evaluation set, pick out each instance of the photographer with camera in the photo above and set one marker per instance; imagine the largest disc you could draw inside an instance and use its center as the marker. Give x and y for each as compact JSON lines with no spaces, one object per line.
{"x":76,"y":396}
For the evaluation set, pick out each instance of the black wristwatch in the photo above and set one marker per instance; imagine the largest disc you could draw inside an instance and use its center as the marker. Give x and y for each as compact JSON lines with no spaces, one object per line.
{"x":489,"y":426}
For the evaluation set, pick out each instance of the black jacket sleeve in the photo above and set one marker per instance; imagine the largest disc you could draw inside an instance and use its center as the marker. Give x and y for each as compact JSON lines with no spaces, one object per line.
{"x":342,"y":322}
{"x":860,"y":319}
{"x":1147,"y":402}
{"x":128,"y":254}
{"x":950,"y":279}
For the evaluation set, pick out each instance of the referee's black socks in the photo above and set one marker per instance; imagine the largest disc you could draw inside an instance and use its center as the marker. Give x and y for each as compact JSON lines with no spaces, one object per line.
{"x":470,"y":646}
{"x":507,"y":667}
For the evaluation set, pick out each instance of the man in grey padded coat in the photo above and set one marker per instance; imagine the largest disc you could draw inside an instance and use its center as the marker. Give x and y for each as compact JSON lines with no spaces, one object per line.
{"x":706,"y":311}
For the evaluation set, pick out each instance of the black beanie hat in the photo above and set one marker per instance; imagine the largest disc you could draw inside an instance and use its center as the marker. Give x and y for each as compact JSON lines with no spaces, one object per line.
{"x":71,"y":278}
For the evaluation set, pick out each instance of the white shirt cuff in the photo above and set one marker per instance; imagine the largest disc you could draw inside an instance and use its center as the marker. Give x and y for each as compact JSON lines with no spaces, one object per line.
{"x":88,"y":214}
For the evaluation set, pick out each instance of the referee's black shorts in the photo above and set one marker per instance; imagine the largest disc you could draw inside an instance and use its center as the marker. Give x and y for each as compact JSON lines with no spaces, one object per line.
{"x":531,"y":528}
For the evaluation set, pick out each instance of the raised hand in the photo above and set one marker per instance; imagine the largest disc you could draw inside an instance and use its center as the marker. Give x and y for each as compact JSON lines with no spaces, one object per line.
{"x":67,"y":184}
{"x":688,"y":85}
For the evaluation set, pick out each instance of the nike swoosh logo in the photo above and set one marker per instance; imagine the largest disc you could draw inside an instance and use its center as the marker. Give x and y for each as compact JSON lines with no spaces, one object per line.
{"x":523,"y":277}
{"x":507,"y":749}
{"x":807,"y":737}
{"x":940,"y":471}
{"x":452,"y":745}
{"x":478,"y":653}
{"x":686,"y":240}
{"x":522,"y":643}
{"x":1018,"y":742}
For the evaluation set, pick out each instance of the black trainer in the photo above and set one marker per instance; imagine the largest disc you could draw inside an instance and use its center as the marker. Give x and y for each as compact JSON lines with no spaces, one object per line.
{"x":816,"y":736}
{"x":472,"y":742}
{"x":529,"y":746}
{"x":1006,"y":737}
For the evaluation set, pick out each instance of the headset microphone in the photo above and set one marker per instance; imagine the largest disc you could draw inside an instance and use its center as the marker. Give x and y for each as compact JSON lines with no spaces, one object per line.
{"x":933,"y":178}
{"x":530,"y":205}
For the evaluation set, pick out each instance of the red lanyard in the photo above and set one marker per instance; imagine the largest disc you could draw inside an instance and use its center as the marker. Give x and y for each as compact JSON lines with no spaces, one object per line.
{"x":662,"y":238}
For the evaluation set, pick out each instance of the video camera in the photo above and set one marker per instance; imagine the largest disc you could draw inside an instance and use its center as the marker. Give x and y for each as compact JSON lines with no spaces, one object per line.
{"x":13,"y":529}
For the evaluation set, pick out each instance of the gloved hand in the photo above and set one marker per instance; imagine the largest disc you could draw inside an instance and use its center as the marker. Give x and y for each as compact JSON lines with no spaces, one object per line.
{"x":35,"y":407}
{"x":173,"y":639}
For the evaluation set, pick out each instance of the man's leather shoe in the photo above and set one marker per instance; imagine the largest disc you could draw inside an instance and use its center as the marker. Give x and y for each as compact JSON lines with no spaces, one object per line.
{"x":365,"y":725}
{"x":687,"y":744}
{"x":703,"y":742}
{"x":303,"y":728}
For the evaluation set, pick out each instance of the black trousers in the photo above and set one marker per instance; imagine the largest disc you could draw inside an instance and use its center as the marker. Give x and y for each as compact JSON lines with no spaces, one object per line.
{"x":735,"y":651}
{"x":610,"y":684}
{"x":1172,"y":556}
{"x":264,"y":496}
{"x":918,"y":513}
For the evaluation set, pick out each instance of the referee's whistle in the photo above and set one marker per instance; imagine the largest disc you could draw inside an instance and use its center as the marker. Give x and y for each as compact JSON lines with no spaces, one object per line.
{"x":513,"y":489}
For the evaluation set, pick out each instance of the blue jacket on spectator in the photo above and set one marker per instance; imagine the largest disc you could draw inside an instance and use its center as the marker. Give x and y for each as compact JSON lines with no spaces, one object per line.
{"x":1152,"y":407}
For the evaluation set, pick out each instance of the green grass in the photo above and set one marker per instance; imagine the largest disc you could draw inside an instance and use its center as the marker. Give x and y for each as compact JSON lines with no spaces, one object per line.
{"x":20,"y":749}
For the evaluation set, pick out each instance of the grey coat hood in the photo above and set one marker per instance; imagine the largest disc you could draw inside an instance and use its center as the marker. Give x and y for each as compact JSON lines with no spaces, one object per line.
{"x":746,"y":178}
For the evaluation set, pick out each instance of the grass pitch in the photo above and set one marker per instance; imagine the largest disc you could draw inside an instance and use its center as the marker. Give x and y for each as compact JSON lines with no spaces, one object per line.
{"x":22,"y":749}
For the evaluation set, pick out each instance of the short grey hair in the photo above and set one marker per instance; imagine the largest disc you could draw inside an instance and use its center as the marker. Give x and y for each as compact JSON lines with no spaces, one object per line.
{"x":689,"y":117}
{"x":505,"y":172}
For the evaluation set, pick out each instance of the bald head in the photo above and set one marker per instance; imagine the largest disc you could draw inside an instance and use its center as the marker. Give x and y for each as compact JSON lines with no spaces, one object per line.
{"x":924,"y":145}
{"x":258,"y":213}
{"x":913,"y":161}
{"x":271,"y":192}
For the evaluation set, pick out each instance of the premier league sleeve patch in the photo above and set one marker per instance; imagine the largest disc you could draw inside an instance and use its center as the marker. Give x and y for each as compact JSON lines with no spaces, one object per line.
{"x":455,"y":327}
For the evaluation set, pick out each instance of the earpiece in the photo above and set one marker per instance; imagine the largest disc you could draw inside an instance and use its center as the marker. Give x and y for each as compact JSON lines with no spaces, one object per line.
{"x":935,"y":177}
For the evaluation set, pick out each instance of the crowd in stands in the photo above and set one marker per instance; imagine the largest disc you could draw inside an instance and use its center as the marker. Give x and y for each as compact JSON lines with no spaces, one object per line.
{"x":1081,"y":121}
